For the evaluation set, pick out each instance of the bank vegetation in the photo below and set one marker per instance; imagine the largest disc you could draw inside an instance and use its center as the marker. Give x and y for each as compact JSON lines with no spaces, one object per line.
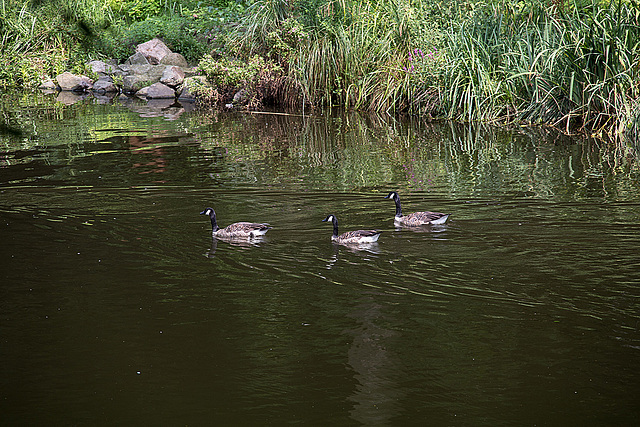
{"x":571,"y":64}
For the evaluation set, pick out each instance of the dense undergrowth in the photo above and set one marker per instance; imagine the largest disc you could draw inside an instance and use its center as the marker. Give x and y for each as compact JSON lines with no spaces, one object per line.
{"x":572,"y":64}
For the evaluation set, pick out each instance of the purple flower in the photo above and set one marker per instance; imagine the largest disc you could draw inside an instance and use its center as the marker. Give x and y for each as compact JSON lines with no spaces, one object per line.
{"x":410,"y":57}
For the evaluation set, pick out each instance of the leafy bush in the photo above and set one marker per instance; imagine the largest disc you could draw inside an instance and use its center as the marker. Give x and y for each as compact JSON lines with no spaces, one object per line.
{"x":258,"y":80}
{"x":230,"y":72}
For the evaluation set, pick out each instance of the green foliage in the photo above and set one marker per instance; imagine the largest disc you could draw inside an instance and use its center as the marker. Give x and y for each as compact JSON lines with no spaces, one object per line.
{"x":258,"y":81}
{"x":230,"y":73}
{"x":119,"y":41}
{"x":574,"y":67}
{"x":31,"y":47}
{"x":137,"y":10}
{"x":44,"y":38}
{"x":284,"y":41}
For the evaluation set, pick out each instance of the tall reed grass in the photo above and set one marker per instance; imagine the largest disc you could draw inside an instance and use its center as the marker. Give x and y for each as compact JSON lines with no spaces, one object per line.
{"x":569,"y":64}
{"x":351,"y":54}
{"x":573,"y":67}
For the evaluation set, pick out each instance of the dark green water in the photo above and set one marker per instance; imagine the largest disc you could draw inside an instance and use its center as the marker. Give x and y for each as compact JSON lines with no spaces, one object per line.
{"x":117,"y":308}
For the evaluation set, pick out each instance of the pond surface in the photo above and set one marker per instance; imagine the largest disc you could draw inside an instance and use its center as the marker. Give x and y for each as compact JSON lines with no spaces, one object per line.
{"x":117,"y":307}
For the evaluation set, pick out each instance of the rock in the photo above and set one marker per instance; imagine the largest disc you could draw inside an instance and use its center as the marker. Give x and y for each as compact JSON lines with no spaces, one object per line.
{"x":241,"y":97}
{"x":157,"y":91}
{"x":101,"y":68}
{"x":142,"y":93}
{"x":48,"y":84}
{"x":137,"y":58}
{"x":174,"y":59}
{"x":129,"y":69}
{"x":104,"y":85}
{"x":152,"y":73}
{"x":172,"y":76}
{"x":140,"y":76}
{"x":133,"y":83}
{"x":185,"y":95}
{"x":71,"y":82}
{"x":154,"y":50}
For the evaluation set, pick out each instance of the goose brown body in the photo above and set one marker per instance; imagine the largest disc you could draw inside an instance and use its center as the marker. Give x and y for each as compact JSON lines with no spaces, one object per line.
{"x":247,"y":230}
{"x":415,"y":219}
{"x":352,"y":237}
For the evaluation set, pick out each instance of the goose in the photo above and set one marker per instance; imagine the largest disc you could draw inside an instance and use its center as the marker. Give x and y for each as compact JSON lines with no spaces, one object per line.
{"x":417,"y":218}
{"x":247,"y":230}
{"x":352,"y":237}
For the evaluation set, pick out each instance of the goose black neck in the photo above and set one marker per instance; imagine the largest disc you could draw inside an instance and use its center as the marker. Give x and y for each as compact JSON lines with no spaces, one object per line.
{"x":214,"y":223}
{"x":398,"y":207}
{"x":334,"y":220}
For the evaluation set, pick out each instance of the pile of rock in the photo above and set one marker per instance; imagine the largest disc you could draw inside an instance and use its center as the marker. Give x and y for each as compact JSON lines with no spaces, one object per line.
{"x":153,"y":72}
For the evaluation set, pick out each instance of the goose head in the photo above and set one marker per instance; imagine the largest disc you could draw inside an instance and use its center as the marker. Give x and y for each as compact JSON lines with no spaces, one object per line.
{"x":331,"y":218}
{"x":393,"y":196}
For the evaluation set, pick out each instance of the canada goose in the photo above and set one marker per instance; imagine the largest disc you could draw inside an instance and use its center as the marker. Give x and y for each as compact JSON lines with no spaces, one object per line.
{"x":352,"y":237}
{"x":417,"y":218}
{"x":247,"y":230}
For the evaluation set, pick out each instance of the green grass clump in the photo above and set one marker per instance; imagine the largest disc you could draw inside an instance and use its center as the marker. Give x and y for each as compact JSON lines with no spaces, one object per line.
{"x":574,"y":66}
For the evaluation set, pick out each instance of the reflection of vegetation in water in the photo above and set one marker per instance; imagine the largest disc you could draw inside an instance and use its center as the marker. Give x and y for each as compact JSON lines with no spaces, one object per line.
{"x":112,"y":144}
{"x":355,"y":151}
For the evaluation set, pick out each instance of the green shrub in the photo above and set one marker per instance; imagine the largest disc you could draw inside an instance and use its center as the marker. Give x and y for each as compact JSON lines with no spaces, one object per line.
{"x":230,"y":73}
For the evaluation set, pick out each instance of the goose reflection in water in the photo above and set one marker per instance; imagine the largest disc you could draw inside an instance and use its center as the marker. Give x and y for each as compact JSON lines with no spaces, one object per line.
{"x":426,"y":228}
{"x":361,"y":249}
{"x":233,"y":241}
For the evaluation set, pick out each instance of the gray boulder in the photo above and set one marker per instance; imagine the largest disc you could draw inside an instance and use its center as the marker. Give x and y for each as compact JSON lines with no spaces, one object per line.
{"x":191,"y":72}
{"x":156,"y":91}
{"x":101,"y":68}
{"x":133,"y":83}
{"x":137,"y":58}
{"x":71,"y":82}
{"x":154,"y":50}
{"x":104,"y":84}
{"x":48,"y":84}
{"x":139,"y":76}
{"x":172,"y":76}
{"x":174,"y":59}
